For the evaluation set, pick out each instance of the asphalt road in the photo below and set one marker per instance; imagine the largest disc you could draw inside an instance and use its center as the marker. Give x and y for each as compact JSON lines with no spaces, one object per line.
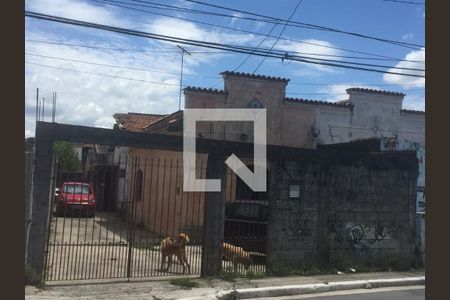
{"x":394,"y":293}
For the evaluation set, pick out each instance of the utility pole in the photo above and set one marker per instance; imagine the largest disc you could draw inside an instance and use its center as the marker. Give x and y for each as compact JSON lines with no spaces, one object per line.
{"x":181,"y":74}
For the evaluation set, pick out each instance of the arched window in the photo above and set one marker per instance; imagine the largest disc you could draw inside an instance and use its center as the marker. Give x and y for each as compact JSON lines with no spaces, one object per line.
{"x":255,"y":103}
{"x":138,"y":184}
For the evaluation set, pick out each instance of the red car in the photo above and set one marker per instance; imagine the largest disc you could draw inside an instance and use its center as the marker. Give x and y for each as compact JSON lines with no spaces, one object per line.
{"x":75,"y":197}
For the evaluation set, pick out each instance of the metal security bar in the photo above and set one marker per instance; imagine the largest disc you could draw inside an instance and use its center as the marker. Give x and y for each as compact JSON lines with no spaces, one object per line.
{"x":246,"y":216}
{"x":110,"y":221}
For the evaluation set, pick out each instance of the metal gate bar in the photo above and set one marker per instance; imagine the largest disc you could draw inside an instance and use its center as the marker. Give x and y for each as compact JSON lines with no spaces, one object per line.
{"x":122,"y":239}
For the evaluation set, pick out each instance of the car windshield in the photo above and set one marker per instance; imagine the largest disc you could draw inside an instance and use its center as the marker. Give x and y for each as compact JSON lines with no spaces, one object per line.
{"x":76,"y":189}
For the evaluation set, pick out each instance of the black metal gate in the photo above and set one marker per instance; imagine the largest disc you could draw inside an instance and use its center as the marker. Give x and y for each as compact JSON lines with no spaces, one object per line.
{"x":245,"y":228}
{"x":110,"y":222}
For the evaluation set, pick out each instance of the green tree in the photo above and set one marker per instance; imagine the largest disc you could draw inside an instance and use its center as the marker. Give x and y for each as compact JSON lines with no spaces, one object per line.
{"x":67,"y":158}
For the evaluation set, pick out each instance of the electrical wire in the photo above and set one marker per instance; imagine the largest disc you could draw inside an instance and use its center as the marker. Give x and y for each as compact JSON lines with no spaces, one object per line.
{"x":205,"y":44}
{"x":209,"y":76}
{"x":311,"y":26}
{"x":114,"y":3}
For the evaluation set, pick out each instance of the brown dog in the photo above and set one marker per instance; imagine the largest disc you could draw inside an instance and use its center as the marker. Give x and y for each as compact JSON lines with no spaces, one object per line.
{"x":175,"y":246}
{"x":236,"y":255}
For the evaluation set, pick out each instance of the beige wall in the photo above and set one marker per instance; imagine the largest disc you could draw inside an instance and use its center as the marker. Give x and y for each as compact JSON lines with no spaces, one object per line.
{"x":164,"y":208}
{"x":288,"y":124}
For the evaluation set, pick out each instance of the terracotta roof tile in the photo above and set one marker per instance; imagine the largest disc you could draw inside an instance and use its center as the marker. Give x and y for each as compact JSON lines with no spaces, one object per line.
{"x":372,"y":91}
{"x":408,"y":111}
{"x":166,"y":122}
{"x":205,"y":90}
{"x":343,"y":103}
{"x":248,"y":75}
{"x":136,"y":121}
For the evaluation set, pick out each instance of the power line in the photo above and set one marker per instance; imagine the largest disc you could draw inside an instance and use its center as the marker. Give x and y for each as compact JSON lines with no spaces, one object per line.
{"x":170,"y":84}
{"x":118,"y":49}
{"x":313,"y":26}
{"x":103,"y":75}
{"x":207,"y":76}
{"x":119,"y":67}
{"x":248,"y":56}
{"x":279,"y":36}
{"x":205,"y":44}
{"x":405,"y":2}
{"x":380,"y":57}
{"x":330,"y":60}
{"x":208,"y":52}
{"x":203,"y":76}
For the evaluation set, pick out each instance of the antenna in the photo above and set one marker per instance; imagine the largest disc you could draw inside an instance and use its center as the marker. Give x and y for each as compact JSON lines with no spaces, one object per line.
{"x":39,"y":110}
{"x":55,"y":110}
{"x":37,"y":104}
{"x":181,"y":74}
{"x":54,"y":107}
{"x":43,"y":108}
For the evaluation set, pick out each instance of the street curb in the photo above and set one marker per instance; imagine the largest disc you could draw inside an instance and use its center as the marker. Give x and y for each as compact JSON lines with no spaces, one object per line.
{"x":290,"y":290}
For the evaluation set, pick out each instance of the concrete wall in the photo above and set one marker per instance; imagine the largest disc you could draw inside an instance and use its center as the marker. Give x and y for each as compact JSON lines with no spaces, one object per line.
{"x":287,"y":125}
{"x":369,"y":114}
{"x":419,"y":148}
{"x":360,"y":211}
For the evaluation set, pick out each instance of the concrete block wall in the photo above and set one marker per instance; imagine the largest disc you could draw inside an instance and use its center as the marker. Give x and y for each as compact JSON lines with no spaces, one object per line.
{"x":362,"y":211}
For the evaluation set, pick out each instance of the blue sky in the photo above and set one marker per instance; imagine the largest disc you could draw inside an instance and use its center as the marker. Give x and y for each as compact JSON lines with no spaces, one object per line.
{"x":60,"y":57}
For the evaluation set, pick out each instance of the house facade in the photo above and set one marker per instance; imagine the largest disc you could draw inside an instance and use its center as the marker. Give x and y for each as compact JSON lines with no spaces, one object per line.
{"x":292,"y":122}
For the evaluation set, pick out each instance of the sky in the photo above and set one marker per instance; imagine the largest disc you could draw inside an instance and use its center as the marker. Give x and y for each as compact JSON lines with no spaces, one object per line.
{"x":98,"y":73}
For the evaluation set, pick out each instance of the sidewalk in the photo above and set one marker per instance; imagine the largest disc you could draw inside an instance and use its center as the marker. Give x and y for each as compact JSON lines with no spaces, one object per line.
{"x":208,"y":288}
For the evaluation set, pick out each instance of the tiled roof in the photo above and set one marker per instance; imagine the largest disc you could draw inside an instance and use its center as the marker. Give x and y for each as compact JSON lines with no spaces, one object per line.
{"x":248,"y":75}
{"x":364,"y":90}
{"x":136,"y":121}
{"x":165,"y":123}
{"x":204,"y":90}
{"x":408,"y":111}
{"x":344,"y":103}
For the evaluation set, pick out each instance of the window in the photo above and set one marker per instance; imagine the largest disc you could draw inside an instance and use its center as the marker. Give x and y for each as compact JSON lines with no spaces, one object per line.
{"x":255,"y":103}
{"x":76,"y":189}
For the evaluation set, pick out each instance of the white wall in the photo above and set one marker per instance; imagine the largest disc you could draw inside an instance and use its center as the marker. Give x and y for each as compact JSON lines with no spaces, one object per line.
{"x":121,"y":155}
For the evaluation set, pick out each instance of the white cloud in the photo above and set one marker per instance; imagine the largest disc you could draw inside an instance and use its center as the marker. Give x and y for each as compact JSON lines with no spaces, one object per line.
{"x":337,"y":91}
{"x":414,"y":102}
{"x":236,"y":17}
{"x":86,"y":99}
{"x":408,"y":81}
{"x":76,"y":9}
{"x":312,"y":48}
{"x":407,"y":36}
{"x":188,"y":30}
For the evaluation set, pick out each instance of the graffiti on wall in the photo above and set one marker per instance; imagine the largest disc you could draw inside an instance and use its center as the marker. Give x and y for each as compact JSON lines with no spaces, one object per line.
{"x":298,"y":224}
{"x":361,"y":238}
{"x":392,"y":144}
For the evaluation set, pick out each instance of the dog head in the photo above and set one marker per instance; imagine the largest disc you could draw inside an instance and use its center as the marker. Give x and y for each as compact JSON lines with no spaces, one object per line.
{"x":182,"y":239}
